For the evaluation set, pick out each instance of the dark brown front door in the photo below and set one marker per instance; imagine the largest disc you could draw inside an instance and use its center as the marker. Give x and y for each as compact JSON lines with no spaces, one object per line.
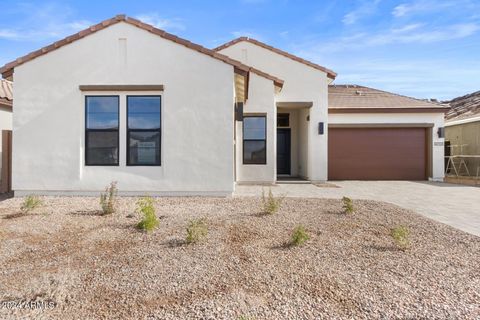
{"x":377,"y":154}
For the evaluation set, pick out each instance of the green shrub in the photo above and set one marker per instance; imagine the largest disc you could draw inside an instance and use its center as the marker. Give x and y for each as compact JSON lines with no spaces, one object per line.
{"x":149,"y":221}
{"x":270,"y":204}
{"x":29,"y":203}
{"x":401,"y":235}
{"x":299,"y":236}
{"x":108,"y":200}
{"x":348,"y":205}
{"x":197,"y":230}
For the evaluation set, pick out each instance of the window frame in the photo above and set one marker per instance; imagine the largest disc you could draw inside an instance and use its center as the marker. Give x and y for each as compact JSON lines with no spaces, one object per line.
{"x":263,"y":115}
{"x":102,"y":130}
{"x":159,"y":164}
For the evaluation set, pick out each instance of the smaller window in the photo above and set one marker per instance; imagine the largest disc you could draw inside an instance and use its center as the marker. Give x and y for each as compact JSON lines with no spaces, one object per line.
{"x":283,"y":120}
{"x":254,"y":140}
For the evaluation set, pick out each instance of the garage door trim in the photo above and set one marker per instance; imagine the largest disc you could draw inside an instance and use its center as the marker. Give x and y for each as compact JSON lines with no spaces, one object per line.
{"x":381,"y":125}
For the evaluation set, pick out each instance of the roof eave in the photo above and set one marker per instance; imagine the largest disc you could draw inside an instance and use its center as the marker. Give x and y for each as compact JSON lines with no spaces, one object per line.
{"x":8,"y":69}
{"x":388,"y":110}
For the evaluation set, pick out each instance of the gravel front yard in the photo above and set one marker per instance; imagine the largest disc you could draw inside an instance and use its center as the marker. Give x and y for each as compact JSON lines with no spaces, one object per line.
{"x":101,"y":267}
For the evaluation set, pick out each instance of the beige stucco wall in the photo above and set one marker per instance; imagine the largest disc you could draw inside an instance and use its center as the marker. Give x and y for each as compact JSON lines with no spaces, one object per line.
{"x":302,"y":83}
{"x":260,"y":101}
{"x":437,"y":119}
{"x":5,"y":124}
{"x":197,"y":116}
{"x":467,"y":134}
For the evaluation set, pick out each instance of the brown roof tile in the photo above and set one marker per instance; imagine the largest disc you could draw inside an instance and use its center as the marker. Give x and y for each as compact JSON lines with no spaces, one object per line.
{"x":464,"y":107}
{"x":329,"y":72}
{"x":6,"y":92}
{"x":342,"y":97}
{"x":7,"y":69}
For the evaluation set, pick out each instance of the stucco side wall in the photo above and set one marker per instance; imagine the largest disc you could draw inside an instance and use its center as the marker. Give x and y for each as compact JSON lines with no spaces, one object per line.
{"x":197,"y":116}
{"x":260,"y":102}
{"x":302,"y":83}
{"x":437,"y":119}
{"x":467,"y":134}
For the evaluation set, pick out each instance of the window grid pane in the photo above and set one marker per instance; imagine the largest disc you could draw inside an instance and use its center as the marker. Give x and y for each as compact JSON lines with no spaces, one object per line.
{"x":102,"y":112}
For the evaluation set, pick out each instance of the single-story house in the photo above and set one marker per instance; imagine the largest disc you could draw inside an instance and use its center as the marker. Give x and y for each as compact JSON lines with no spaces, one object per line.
{"x":6,"y":103}
{"x":462,"y":133}
{"x":125,"y":101}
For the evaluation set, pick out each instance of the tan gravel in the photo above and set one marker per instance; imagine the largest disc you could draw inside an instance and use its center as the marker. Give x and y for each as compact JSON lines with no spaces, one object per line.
{"x":101,"y":267}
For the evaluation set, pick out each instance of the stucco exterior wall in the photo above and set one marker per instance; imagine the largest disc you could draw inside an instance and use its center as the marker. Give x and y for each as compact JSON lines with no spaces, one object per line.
{"x":437,"y":119}
{"x":260,"y":102}
{"x":467,"y":134}
{"x":197,"y":116}
{"x":302,"y":83}
{"x":5,"y":124}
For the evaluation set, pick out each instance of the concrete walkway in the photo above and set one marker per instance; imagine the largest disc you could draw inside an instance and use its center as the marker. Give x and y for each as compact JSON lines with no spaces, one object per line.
{"x":455,"y":205}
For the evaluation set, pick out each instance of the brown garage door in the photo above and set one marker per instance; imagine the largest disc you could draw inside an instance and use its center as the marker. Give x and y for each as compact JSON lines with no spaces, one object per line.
{"x":377,"y":154}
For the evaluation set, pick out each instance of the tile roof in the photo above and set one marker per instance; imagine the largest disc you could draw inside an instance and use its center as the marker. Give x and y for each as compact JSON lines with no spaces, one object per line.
{"x":6,"y":92}
{"x":464,"y":107}
{"x":7,"y":69}
{"x":329,"y":72}
{"x":360,"y":97}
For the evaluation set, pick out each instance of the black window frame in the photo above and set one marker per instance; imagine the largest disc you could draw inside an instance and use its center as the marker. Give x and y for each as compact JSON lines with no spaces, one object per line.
{"x":102,"y":130}
{"x":159,"y":164}
{"x":243,"y":138}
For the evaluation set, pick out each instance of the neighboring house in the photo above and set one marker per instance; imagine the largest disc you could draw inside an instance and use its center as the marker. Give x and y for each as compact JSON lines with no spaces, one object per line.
{"x":462,"y":131}
{"x":125,"y":101}
{"x":6,"y":102}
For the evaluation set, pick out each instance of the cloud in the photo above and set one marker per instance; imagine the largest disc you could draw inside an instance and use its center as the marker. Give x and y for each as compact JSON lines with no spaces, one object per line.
{"x":416,"y":33}
{"x":39,"y":23}
{"x":365,"y":9}
{"x":420,"y":78}
{"x":429,"y":6}
{"x":162,"y":23}
{"x":242,"y":33}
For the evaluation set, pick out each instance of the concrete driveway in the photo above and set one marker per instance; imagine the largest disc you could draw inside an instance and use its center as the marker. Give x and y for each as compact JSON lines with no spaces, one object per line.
{"x":455,"y":205}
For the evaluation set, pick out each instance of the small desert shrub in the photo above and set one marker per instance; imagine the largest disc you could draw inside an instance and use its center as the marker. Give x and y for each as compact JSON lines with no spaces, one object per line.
{"x":299,"y":236}
{"x":29,"y":203}
{"x":108,"y":199}
{"x":348,"y":205}
{"x":149,"y":221}
{"x":270,"y":204}
{"x":196,"y":231}
{"x":401,"y":235}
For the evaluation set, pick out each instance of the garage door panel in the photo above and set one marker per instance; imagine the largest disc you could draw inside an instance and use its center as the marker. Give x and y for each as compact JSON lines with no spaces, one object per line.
{"x":377,"y":154}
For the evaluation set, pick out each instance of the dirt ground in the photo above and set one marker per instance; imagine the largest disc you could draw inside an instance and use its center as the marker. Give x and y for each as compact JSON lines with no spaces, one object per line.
{"x":65,"y":261}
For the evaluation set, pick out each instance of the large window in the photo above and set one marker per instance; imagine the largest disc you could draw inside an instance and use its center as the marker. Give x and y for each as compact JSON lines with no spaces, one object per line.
{"x":254,"y":140}
{"x":143,"y":130}
{"x":101,"y":130}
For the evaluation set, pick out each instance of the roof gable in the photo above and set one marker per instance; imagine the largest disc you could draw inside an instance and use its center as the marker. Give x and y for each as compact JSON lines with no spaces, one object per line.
{"x":7,"y":69}
{"x":329,"y":72}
